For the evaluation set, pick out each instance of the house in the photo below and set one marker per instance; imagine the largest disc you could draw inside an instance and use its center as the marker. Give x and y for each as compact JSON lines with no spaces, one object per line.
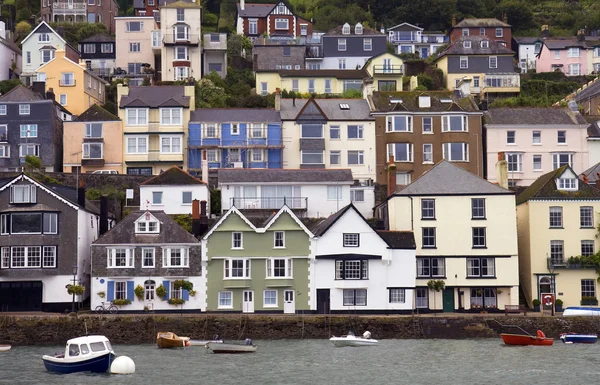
{"x":465,"y":231}
{"x":39,"y":47}
{"x":494,"y":29}
{"x":309,"y":193}
{"x":99,"y":53}
{"x":278,"y":54}
{"x":385,"y":72}
{"x":593,"y":144}
{"x":568,"y":55}
{"x":173,"y":192}
{"x":155,"y":122}
{"x":138,"y":41}
{"x":152,"y":7}
{"x":45,"y":237}
{"x":587,"y":98}
{"x":557,"y":221}
{"x":181,"y":51}
{"x":416,"y":130}
{"x":349,"y":47}
{"x":144,"y":254}
{"x":356,"y":269}
{"x":80,"y":11}
{"x":487,"y":63}
{"x":527,"y":49}
{"x":258,"y":268}
{"x":534,"y":140}
{"x":214,"y":54}
{"x":93,"y":141}
{"x":235,"y":137}
{"x":278,"y":19}
{"x":409,"y":38}
{"x":75,"y":86}
{"x":11,"y":61}
{"x":310,"y":81}
{"x":31,"y":124}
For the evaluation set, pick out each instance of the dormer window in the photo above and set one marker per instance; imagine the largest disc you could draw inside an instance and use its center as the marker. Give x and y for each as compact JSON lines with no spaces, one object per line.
{"x":147,"y":224}
{"x":485,"y":44}
{"x":23,"y":193}
{"x":358,"y":29}
{"x":346,"y":29}
{"x":467,"y":44}
{"x":568,"y":184}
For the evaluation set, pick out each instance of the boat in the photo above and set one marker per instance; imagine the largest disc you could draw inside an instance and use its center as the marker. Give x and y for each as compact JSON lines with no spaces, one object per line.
{"x":222,"y":347}
{"x":575,"y":311}
{"x":578,"y":338}
{"x":166,"y":340}
{"x":82,"y":354}
{"x":215,"y":340}
{"x":351,"y":340}
{"x":4,"y":348}
{"x":527,"y":339}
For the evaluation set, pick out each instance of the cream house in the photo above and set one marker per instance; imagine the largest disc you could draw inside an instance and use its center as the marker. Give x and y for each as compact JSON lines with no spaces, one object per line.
{"x":385,"y":71}
{"x":137,"y":41}
{"x":557,"y":224}
{"x":466,"y":235}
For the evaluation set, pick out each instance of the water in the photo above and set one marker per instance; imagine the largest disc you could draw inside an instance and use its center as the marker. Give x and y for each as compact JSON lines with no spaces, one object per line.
{"x":316,"y":362}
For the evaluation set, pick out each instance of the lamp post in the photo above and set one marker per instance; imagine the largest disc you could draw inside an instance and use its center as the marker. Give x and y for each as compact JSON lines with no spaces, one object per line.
{"x":74,"y":283}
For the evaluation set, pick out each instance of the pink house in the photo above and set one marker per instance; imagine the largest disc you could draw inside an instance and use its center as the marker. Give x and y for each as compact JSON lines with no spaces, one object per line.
{"x":568,"y":55}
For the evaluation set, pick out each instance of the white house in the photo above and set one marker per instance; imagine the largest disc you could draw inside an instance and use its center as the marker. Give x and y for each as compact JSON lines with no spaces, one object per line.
{"x":313,"y":193}
{"x":173,"y":192}
{"x":358,"y":269}
{"x":9,"y":53}
{"x":527,"y":51}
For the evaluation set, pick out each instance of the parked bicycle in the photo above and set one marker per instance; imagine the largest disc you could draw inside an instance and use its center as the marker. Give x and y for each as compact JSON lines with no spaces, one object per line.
{"x":112,"y":309}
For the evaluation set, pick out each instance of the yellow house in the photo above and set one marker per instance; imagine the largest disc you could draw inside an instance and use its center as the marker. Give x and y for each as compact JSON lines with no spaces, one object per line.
{"x":76,"y":88}
{"x":93,"y":141}
{"x":557,"y":231}
{"x":385,"y":71}
{"x":155,"y":127}
{"x":309,"y":81}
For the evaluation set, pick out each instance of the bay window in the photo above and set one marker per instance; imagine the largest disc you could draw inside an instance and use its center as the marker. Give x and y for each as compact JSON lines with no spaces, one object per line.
{"x":399,"y":124}
{"x":456,"y":152}
{"x":454,"y":123}
{"x":402,"y":152}
{"x":236,"y":268}
{"x":312,"y":157}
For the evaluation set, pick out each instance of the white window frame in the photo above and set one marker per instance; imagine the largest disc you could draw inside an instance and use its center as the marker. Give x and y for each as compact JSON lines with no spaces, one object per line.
{"x":137,"y":116}
{"x":2,"y":109}
{"x":279,"y":238}
{"x":24,"y":109}
{"x":237,"y":240}
{"x":168,"y":116}
{"x":556,"y":163}
{"x":184,"y":257}
{"x":360,"y":157}
{"x":427,"y":153}
{"x":391,"y":149}
{"x":288,"y":268}
{"x":152,"y":251}
{"x":130,"y":23}
{"x":573,"y":52}
{"x":391,"y":123}
{"x":447,"y":126}
{"x":225,"y":300}
{"x":49,"y":253}
{"x":539,"y":163}
{"x":499,"y":32}
{"x":351,"y":239}
{"x":28,"y":130}
{"x":111,"y":256}
{"x":228,"y":268}
{"x":271,"y":291}
{"x":138,"y":144}
{"x":253,"y":26}
{"x":493,"y":62}
{"x":170,"y":143}
{"x":335,"y":157}
{"x":86,"y":150}
{"x":342,"y":45}
{"x":280,"y":26}
{"x":312,"y":153}
{"x":447,"y":151}
{"x":27,"y":258}
{"x":427,"y":127}
{"x":367,"y":44}
{"x":515,"y":159}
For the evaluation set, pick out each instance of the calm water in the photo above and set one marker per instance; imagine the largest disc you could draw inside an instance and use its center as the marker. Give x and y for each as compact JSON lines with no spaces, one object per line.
{"x":317,"y":362}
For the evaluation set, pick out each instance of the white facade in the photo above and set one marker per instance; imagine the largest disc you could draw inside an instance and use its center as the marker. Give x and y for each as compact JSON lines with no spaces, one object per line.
{"x":7,"y":55}
{"x":527,"y":55}
{"x":182,"y":60}
{"x":31,"y":47}
{"x":593,"y":151}
{"x":351,"y":62}
{"x":173,"y":199}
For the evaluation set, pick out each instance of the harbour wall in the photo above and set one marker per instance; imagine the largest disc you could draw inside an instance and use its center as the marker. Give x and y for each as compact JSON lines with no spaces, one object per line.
{"x":140,"y":329}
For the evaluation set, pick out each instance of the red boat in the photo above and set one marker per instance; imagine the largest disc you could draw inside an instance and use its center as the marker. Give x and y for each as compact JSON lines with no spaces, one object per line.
{"x":525,"y":340}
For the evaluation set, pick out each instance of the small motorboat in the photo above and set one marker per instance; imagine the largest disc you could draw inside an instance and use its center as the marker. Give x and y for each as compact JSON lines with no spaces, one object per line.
{"x":351,"y":340}
{"x":215,"y":340}
{"x":166,"y":340}
{"x":82,"y":354}
{"x":527,"y":339}
{"x":578,"y":338}
{"x":222,"y":347}
{"x":5,"y":348}
{"x":576,"y":311}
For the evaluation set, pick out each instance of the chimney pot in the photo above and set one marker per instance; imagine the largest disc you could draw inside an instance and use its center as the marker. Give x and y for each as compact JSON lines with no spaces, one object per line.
{"x":453,"y":20}
{"x":81,"y":193}
{"x":103,"y":215}
{"x":277,"y":100}
{"x":391,"y":177}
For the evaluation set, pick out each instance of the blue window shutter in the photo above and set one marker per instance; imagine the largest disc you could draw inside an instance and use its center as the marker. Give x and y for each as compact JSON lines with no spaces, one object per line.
{"x":167,"y":285}
{"x":130,"y":290}
{"x":110,"y":295}
{"x":185,"y":295}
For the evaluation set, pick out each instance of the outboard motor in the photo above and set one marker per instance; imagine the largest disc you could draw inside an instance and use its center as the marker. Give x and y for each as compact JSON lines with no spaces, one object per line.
{"x":367,"y":334}
{"x":248,"y":341}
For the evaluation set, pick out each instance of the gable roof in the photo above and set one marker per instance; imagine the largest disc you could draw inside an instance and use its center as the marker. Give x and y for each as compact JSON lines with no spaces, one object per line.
{"x":98,"y":38}
{"x":527,"y":40}
{"x":544,"y":187}
{"x":592,"y":173}
{"x":174,"y":176}
{"x":533,"y":115}
{"x":493,"y":47}
{"x":20,"y":94}
{"x":232,"y":210}
{"x":405,"y":24}
{"x":481,"y":23}
{"x":388,"y":102}
{"x":255,"y":10}
{"x":155,"y":96}
{"x":358,"y":108}
{"x":286,"y":209}
{"x":280,"y":176}
{"x":43,"y":26}
{"x":123,"y":233}
{"x":379,"y":55}
{"x":96,"y":114}
{"x":225,"y":115}
{"x":587,"y":91}
{"x":447,"y":179}
{"x":564,"y":43}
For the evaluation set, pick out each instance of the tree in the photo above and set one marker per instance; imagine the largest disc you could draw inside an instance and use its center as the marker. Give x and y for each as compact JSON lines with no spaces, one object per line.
{"x":518,"y":12}
{"x":237,"y":44}
{"x":7,"y":85}
{"x":436,"y":286}
{"x":208,"y":95}
{"x":23,"y":29}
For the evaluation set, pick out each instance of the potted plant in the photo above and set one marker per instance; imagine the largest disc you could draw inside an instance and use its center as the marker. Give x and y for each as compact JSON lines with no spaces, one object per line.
{"x":139,"y":292}
{"x":121,"y":302}
{"x":101,"y":294}
{"x":176,"y":301}
{"x":558,"y":305}
{"x":75,"y":289}
{"x":161,"y":292}
{"x":192,"y":293}
{"x":536,"y":305}
{"x":586,"y":300}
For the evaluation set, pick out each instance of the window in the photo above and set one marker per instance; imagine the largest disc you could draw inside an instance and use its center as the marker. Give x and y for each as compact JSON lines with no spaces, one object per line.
{"x":181,"y":32}
{"x":464,"y":62}
{"x":355,"y":297}
{"x":256,"y":155}
{"x":147,"y":257}
{"x":23,"y":193}
{"x":493,"y":62}
{"x":335,"y":157}
{"x":427,"y":125}
{"x":357,"y":195}
{"x":106,"y":48}
{"x":170,"y":144}
{"x":92,"y":150}
{"x":181,"y":73}
{"x":587,"y":248}
{"x":134,"y":26}
{"x":312,"y":157}
{"x":175,"y":257}
{"x":93,"y":130}
{"x":137,"y":116}
{"x":279,"y":268}
{"x":252,"y":27}
{"x":157,"y":198}
{"x":352,"y":269}
{"x":351,"y":239}
{"x":236,"y":240}
{"x":428,"y":153}
{"x":454,"y":123}
{"x":29,"y":149}
{"x":431,"y":267}
{"x":311,"y":85}
{"x":137,"y":145}
{"x":567,"y":184}
{"x":334,"y":193}
{"x":586,"y":217}
{"x":465,"y":32}
{"x":295,"y":86}
{"x":5,"y":151}
{"x":510,"y":137}
{"x":386,"y":85}
{"x":334,"y":132}
{"x":466,"y":44}
{"x":475,"y":81}
{"x":24,"y":109}
{"x":402,"y":152}
{"x":482,"y":31}
{"x":22,"y":256}
{"x":399,"y":124}
{"x":270,"y":298}
{"x":28,"y":57}
{"x":89,"y":48}
{"x":256,"y":130}
{"x":456,"y":152}
{"x":537,"y":163}
{"x":562,"y":159}
{"x":356,"y":158}
{"x":421,"y":298}
{"x":498,"y":32}
{"x":479,"y":237}
{"x":556,"y":252}
{"x":562,"y":137}
{"x":485,"y":44}
{"x":181,"y":53}
{"x":477,"y":208}
{"x":186,"y":197}
{"x":5,"y":258}
{"x":134,"y":68}
{"x":43,"y":37}
{"x":279,"y":239}
{"x":480,"y":267}
{"x":217,"y":67}
{"x":427,"y":208}
{"x":29,"y":130}
{"x":397,"y":295}
{"x":588,"y":288}
{"x":174,"y":291}
{"x":210,"y":131}
{"x":556,"y":219}
{"x":537,"y":137}
{"x":237,"y":268}
{"x":355,"y":132}
{"x":341,"y":44}
{"x":573,"y":52}
{"x":48,"y":256}
{"x":212,"y":155}
{"x":428,"y":237}
{"x":2,"y":109}
{"x":515,"y":162}
{"x":225,"y":299}
{"x":367,"y":44}
{"x":120,"y":257}
{"x":180,"y":14}
{"x":282,"y":24}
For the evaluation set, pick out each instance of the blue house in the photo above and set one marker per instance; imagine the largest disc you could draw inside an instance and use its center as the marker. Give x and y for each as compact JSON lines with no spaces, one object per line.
{"x":235,"y":137}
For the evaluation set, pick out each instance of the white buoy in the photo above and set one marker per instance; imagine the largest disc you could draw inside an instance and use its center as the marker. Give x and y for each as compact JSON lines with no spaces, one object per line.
{"x":122,"y":365}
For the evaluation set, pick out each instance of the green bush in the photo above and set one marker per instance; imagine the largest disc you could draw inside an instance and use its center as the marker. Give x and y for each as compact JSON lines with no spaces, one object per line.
{"x":75,"y":289}
{"x":139,"y":292}
{"x":182,"y":284}
{"x":210,"y":19}
{"x":121,"y":302}
{"x":176,"y":301}
{"x":536,"y":302}
{"x":161,"y":292}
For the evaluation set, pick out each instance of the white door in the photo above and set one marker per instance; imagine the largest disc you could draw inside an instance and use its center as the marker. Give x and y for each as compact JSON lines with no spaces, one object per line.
{"x":289,"y":306}
{"x":248,"y":301}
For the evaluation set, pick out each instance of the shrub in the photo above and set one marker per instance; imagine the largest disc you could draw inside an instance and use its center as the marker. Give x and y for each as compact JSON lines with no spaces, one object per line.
{"x":139,"y":292}
{"x":121,"y":302}
{"x":536,"y":302}
{"x":161,"y":292}
{"x":176,"y":301}
{"x":559,"y":302}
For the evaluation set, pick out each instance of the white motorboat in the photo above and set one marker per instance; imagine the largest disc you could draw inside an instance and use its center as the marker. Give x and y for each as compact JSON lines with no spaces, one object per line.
{"x":351,"y":340}
{"x":4,"y":348}
{"x":82,"y":354}
{"x":576,"y":311}
{"x":221,"y":347}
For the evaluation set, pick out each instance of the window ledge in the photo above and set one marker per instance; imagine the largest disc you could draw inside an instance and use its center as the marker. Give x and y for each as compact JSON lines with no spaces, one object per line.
{"x":237,"y":248}
{"x":279,"y":248}
{"x":556,"y":228}
{"x":429,"y":247}
{"x":476,"y":277}
{"x":587,"y":227}
{"x":428,"y":219}
{"x":224,"y":307}
{"x":478,"y":219}
{"x":271,"y":306}
{"x":479,"y":247}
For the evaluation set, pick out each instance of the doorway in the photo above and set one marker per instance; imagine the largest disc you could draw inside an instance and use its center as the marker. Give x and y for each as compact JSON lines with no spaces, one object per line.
{"x":248,"y":301}
{"x":448,"y":300}
{"x":289,"y":305}
{"x":323,"y":299}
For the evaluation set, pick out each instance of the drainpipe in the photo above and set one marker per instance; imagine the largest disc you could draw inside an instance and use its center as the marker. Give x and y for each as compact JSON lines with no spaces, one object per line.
{"x":412,"y":228}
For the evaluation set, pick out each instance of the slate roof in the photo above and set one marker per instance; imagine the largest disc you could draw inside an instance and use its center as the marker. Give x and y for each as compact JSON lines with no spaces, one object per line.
{"x":544,"y":187}
{"x":493,"y":48}
{"x":255,"y":10}
{"x":447,"y":179}
{"x":366,"y":31}
{"x":564,"y":43}
{"x":532,"y":115}
{"x":20,"y":94}
{"x":338,"y":74}
{"x":321,"y":228}
{"x":307,"y":176}
{"x":222,"y":115}
{"x":71,"y":194}
{"x":592,"y":173}
{"x":10,"y":44}
{"x":484,"y":22}
{"x":382,"y":101}
{"x":527,"y":40}
{"x":124,"y":232}
{"x":594,"y":128}
{"x":155,"y":96}
{"x":96,"y":114}
{"x":359,"y":109}
{"x":98,"y":38}
{"x":398,"y":239}
{"x":172,"y":177}
{"x":590,"y":90}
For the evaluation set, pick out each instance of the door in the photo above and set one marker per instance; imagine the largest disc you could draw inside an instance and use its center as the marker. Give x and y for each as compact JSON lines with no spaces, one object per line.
{"x":323,"y":299}
{"x":248,"y":301}
{"x":289,"y":306}
{"x":448,"y":300}
{"x":21,"y":296}
{"x":424,"y":53}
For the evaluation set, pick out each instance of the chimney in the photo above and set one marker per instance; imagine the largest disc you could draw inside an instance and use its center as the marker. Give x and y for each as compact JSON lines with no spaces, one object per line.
{"x":502,"y":171}
{"x":545,"y":31}
{"x":391,"y":177}
{"x":204,"y":165}
{"x":2,"y":30}
{"x":242,"y":4}
{"x":585,"y":178}
{"x":103,"y":215}
{"x":294,"y":101}
{"x":196,"y":217}
{"x":81,"y":193}
{"x":277,"y":99}
{"x":453,"y":20}
{"x":505,"y":19}
{"x":39,"y":88}
{"x":203,"y":217}
{"x":382,"y":30}
{"x":581,"y":35}
{"x":50,"y":95}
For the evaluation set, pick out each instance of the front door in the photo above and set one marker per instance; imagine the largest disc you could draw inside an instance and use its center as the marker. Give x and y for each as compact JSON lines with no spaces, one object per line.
{"x":323,"y":301}
{"x":248,"y":301}
{"x":448,"y":300}
{"x":424,"y":53}
{"x":289,"y":306}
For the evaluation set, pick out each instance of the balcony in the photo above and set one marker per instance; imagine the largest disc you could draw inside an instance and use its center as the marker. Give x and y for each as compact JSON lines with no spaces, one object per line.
{"x":314,"y":52}
{"x":388,"y":70}
{"x":501,"y":83}
{"x":215,"y":42}
{"x":62,"y":83}
{"x":268,"y":203}
{"x":572,"y":263}
{"x":405,"y":37}
{"x":154,"y":156}
{"x":61,"y":8}
{"x":181,"y":39}
{"x":433,"y":39}
{"x":102,"y":72}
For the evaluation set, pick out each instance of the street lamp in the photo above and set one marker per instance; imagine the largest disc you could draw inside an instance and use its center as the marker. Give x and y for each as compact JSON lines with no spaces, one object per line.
{"x":74,"y":283}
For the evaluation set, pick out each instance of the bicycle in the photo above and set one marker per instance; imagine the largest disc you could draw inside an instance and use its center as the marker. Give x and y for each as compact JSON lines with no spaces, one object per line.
{"x":112,"y":309}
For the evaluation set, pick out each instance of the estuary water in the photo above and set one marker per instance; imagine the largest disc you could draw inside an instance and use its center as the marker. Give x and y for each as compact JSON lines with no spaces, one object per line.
{"x":315,"y":362}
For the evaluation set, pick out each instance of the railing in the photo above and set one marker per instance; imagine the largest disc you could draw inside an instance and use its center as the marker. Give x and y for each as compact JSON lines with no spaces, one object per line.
{"x":67,"y":6}
{"x":408,"y":37}
{"x":502,"y":81}
{"x":190,"y":39}
{"x":68,"y":84}
{"x":268,"y":203}
{"x":314,"y":52}
{"x":389,"y":70}
{"x":103,"y":72}
{"x":571,"y":263}
{"x":432,"y":39}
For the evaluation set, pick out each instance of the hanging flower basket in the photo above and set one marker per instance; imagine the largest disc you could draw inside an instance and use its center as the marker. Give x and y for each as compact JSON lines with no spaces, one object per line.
{"x":75,"y":289}
{"x":176,"y":301}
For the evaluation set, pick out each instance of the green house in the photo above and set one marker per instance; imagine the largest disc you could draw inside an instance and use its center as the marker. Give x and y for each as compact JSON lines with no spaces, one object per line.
{"x":257,"y":269}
